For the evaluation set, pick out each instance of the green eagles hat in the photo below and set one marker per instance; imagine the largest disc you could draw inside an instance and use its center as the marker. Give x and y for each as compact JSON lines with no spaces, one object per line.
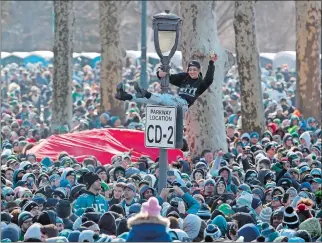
{"x":318,"y":180}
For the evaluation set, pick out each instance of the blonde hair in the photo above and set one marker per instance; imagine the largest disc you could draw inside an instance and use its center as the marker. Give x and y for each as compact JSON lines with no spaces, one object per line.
{"x":145,"y":218}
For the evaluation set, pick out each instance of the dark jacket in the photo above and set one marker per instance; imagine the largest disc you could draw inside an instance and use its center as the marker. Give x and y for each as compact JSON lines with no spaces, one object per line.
{"x":190,"y":89}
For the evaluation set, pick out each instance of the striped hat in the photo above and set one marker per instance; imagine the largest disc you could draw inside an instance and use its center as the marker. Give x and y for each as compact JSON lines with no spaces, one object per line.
{"x":265,"y":215}
{"x":290,"y":218}
{"x":29,"y":205}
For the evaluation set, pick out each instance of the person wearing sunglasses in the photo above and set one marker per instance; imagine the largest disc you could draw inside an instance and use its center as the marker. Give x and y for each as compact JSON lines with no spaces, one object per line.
{"x":7,"y":194}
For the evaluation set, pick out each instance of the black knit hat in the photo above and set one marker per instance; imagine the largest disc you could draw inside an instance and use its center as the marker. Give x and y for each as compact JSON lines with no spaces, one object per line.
{"x":63,"y":209}
{"x":89,"y":178}
{"x":92,"y":215}
{"x":290,"y":218}
{"x":194,"y":63}
{"x":117,"y":208}
{"x":28,"y":205}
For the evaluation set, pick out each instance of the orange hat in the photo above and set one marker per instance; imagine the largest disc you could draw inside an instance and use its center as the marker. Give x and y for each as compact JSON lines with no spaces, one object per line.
{"x":297,"y":112}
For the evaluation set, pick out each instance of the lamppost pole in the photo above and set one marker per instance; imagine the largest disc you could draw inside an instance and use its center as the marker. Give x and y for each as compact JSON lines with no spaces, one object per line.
{"x":166,"y":28}
{"x":143,"y":75}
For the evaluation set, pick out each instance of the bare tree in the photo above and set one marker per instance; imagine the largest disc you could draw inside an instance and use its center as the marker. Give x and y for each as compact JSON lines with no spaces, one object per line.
{"x":248,"y":67}
{"x":63,"y":56}
{"x":111,"y":54}
{"x":308,"y":49}
{"x":205,"y":119}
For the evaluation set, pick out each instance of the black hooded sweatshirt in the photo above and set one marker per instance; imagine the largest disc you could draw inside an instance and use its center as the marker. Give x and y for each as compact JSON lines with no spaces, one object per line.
{"x":190,"y":89}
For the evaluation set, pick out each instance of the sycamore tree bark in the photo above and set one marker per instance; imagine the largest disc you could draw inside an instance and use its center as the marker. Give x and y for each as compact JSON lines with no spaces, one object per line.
{"x":63,"y":56}
{"x":111,"y":55}
{"x":252,"y":108}
{"x":199,"y":38}
{"x":308,"y":49}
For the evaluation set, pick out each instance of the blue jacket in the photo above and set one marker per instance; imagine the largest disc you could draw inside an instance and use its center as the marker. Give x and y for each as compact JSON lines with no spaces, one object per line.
{"x":89,"y":200}
{"x":148,"y":232}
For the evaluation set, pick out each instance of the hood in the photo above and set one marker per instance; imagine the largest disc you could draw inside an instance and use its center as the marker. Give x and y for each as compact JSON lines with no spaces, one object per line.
{"x":118,"y":168}
{"x":152,"y":178}
{"x":144,"y":189}
{"x":308,"y":121}
{"x":286,"y":137}
{"x":229,"y":173}
{"x":195,"y":171}
{"x":245,"y":135}
{"x":294,"y":117}
{"x":24,"y":178}
{"x":15,"y":174}
{"x":307,"y":137}
{"x":65,"y":171}
{"x":185,"y":166}
{"x":273,"y":126}
{"x":261,"y":175}
{"x":250,"y":172}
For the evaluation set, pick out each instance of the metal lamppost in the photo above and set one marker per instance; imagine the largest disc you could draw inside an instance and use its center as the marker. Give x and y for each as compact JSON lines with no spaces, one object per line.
{"x":143,"y":75}
{"x":166,"y":27}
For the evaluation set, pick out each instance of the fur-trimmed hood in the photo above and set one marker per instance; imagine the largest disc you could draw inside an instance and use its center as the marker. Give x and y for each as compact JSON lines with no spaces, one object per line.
{"x":143,"y":218}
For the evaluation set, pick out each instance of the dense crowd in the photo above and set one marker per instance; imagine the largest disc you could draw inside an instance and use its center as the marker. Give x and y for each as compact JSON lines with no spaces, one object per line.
{"x":266,"y":188}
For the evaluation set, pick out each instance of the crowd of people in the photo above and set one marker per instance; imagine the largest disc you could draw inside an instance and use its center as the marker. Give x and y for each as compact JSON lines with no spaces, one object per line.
{"x":266,"y":188}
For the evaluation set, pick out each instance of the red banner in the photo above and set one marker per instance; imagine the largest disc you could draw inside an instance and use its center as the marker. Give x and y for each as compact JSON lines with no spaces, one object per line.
{"x":101,"y":143}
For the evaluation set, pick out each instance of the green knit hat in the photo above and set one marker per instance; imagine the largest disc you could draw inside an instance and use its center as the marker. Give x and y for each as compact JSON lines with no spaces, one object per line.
{"x":295,"y":135}
{"x":277,"y":167}
{"x":226,"y":209}
{"x":319,"y":214}
{"x":105,"y":186}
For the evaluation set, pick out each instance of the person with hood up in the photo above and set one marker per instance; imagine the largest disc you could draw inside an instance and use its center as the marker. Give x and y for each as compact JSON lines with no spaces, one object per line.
{"x":305,"y":139}
{"x":191,"y":225}
{"x":146,"y":192}
{"x":91,"y":197}
{"x":149,"y":225}
{"x":70,"y":175}
{"x":225,"y":172}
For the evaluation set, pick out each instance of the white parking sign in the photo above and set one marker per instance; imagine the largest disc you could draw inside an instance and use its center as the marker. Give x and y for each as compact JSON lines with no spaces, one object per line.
{"x":160,"y":126}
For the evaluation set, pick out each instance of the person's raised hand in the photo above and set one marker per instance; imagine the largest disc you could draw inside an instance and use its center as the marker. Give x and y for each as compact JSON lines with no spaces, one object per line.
{"x":213,"y":57}
{"x":164,"y":193}
{"x":178,"y":191}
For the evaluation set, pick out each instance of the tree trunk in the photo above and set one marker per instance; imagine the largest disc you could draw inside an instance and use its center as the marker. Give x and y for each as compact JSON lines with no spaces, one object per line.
{"x":252,"y":108}
{"x":63,"y":65}
{"x":308,"y":48}
{"x":199,"y":38}
{"x":111,"y":56}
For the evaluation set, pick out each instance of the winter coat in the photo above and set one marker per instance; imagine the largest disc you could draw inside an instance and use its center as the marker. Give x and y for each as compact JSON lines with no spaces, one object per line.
{"x":148,"y":229}
{"x":89,"y":200}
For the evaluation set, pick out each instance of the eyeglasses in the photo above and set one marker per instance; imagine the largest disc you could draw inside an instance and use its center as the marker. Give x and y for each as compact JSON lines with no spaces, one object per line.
{"x":10,"y":194}
{"x":276,"y":198}
{"x":27,"y":195}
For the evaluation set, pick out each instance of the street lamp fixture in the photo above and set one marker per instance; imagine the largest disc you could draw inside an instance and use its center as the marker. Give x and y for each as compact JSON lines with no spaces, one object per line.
{"x":166,"y":27}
